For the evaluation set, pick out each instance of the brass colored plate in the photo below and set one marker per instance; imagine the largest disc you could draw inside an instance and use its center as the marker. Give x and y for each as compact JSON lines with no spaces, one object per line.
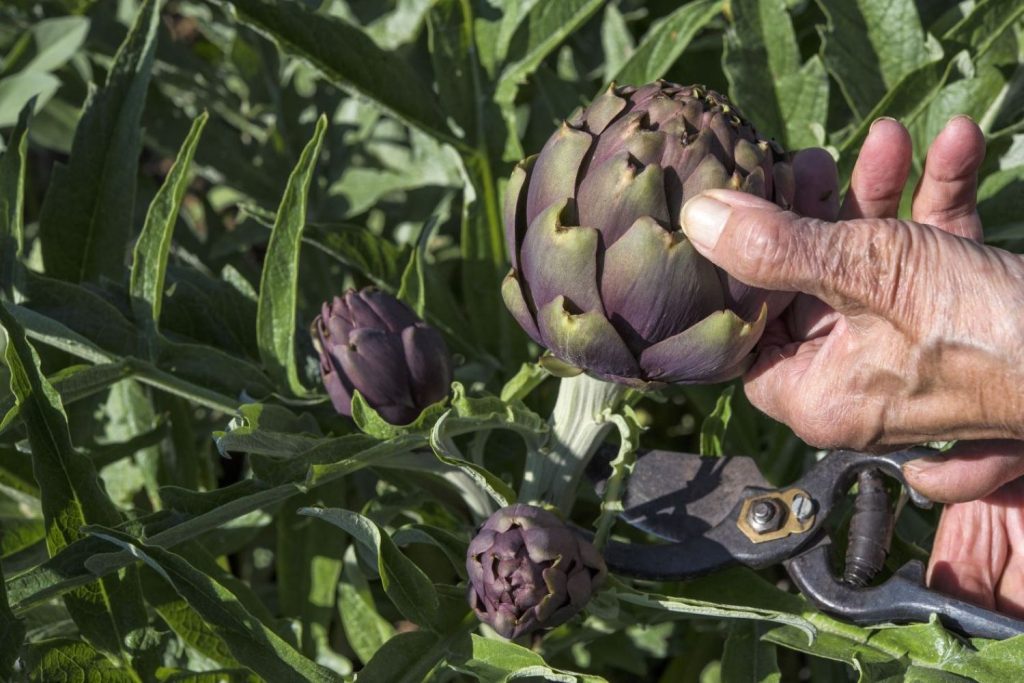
{"x":790,"y":524}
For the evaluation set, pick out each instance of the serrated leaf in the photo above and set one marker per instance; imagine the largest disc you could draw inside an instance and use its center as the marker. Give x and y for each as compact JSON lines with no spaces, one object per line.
{"x":404,"y":583}
{"x":149,"y":265}
{"x":71,"y":494}
{"x":251,"y":643}
{"x":86,"y":218}
{"x":663,"y":44}
{"x":275,"y":317}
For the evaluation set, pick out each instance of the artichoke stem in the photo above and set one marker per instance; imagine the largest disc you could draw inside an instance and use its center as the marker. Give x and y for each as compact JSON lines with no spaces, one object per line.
{"x":578,"y":427}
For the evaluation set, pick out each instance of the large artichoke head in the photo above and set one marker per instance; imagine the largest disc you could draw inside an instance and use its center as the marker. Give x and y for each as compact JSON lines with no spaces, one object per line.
{"x":528,"y":570}
{"x":602,"y":274}
{"x":372,"y":343}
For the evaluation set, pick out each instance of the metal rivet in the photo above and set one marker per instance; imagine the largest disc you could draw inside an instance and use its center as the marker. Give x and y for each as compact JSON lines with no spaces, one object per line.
{"x":802,"y":507}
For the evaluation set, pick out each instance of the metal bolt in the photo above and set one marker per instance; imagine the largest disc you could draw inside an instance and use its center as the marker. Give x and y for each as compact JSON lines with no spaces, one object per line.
{"x":802,"y":507}
{"x":764,"y":516}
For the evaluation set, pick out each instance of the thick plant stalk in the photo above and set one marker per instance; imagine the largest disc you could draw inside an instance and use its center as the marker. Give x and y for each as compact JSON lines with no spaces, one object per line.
{"x":578,"y":425}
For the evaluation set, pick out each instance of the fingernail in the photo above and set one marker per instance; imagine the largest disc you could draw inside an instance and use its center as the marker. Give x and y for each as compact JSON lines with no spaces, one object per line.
{"x":879,"y":120}
{"x":922,"y":466}
{"x":703,"y":219}
{"x":960,"y":116}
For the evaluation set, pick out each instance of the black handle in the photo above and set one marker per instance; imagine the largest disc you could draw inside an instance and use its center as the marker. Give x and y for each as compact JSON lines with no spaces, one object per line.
{"x":902,"y":598}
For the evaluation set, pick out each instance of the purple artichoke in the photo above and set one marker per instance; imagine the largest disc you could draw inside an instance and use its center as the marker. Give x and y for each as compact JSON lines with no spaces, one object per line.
{"x":602,"y":274}
{"x":528,"y":570}
{"x":371,"y":342}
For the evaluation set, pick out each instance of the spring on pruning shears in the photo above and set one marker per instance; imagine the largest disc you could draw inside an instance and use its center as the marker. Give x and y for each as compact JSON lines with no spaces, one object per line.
{"x":870,"y":530}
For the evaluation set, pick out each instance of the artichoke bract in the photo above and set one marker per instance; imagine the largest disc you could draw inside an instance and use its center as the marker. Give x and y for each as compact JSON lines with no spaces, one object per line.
{"x":372,"y":343}
{"x":528,"y":570}
{"x":602,"y":274}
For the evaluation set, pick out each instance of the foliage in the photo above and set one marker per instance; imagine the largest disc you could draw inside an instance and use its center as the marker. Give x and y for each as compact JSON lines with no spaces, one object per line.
{"x":183,"y":183}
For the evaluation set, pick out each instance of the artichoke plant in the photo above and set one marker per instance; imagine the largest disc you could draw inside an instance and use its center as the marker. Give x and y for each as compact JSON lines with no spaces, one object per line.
{"x":602,"y":274}
{"x":372,"y":343}
{"x":528,"y":570}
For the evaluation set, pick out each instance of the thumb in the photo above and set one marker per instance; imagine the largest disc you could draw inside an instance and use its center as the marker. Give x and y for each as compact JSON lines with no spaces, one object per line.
{"x":968,"y":471}
{"x":853,"y":265}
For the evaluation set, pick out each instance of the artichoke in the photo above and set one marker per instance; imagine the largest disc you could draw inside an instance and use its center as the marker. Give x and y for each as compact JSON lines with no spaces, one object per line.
{"x":602,"y":274}
{"x":528,"y":570}
{"x":371,"y":342}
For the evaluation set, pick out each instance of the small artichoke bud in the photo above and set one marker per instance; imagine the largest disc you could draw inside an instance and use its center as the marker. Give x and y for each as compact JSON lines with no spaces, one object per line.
{"x":371,"y":342}
{"x":528,"y":570}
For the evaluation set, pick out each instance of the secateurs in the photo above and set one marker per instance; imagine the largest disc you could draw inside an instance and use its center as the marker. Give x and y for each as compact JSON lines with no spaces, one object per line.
{"x":720,"y":512}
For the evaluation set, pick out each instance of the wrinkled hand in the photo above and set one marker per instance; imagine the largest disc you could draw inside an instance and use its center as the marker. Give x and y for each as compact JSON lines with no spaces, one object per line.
{"x":905,"y":332}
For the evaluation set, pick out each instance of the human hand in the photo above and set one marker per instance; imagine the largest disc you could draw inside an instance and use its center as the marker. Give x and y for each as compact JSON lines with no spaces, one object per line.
{"x":978,"y":552}
{"x":923,"y":343}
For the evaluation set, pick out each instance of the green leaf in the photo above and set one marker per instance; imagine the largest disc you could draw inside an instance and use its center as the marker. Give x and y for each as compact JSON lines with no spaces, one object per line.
{"x":871,"y":45}
{"x":404,"y":658}
{"x":12,"y":632}
{"x":373,"y":257}
{"x":186,"y":622}
{"x":912,"y":95}
{"x":482,"y":247}
{"x":275,"y":318}
{"x":747,"y":658}
{"x":616,"y":42}
{"x":308,"y":563}
{"x":663,"y":44}
{"x":529,"y":377}
{"x":404,"y":583}
{"x":47,"y":45}
{"x":12,"y":205}
{"x":712,"y":432}
{"x":71,"y":494}
{"x":413,"y":289}
{"x":446,"y":451}
{"x":546,"y":27}
{"x":371,"y":423}
{"x":73,"y":383}
{"x":497,"y":661}
{"x":350,"y":58}
{"x":27,"y":90}
{"x":982,"y":27}
{"x":72,"y":660}
{"x":150,"y":257}
{"x":792,"y":103}
{"x":250,"y":642}
{"x":715,"y":606}
{"x":365,"y":629}
{"x":86,"y":218}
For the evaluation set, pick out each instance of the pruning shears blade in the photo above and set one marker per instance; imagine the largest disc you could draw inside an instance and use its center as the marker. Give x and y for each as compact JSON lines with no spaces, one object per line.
{"x":680,"y":496}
